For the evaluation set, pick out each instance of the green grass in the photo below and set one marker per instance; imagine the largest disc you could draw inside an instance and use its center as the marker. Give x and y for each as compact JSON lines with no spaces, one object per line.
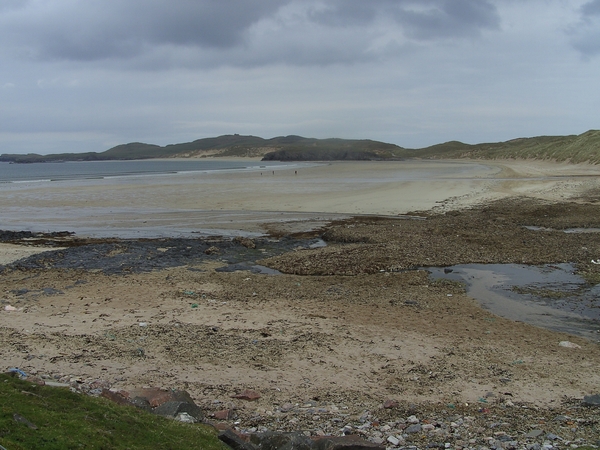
{"x":67,"y":420}
{"x":575,"y":148}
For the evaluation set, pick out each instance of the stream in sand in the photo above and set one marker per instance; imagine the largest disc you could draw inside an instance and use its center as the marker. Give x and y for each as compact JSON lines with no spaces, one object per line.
{"x":550,"y":296}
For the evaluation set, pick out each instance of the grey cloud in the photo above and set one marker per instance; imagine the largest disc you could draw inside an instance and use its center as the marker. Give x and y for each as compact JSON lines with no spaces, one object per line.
{"x":157,"y":34}
{"x":591,"y":9}
{"x":97,"y":29}
{"x":585,"y":35}
{"x":420,"y":19}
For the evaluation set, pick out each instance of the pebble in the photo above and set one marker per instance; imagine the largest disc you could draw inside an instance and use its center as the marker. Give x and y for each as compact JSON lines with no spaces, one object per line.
{"x":393,"y":440}
{"x":499,"y":429}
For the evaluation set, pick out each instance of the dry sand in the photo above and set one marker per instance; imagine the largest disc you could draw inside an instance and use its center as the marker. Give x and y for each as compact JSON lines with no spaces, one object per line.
{"x":354,"y":340}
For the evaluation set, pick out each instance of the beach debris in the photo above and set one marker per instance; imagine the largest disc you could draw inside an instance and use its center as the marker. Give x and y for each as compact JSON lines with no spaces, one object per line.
{"x":10,"y":308}
{"x":143,"y":324}
{"x":568,"y":344}
{"x":18,"y":372}
{"x":594,"y":261}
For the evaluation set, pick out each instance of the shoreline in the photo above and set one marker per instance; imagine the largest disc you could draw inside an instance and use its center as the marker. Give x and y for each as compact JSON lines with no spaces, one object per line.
{"x":242,"y":202}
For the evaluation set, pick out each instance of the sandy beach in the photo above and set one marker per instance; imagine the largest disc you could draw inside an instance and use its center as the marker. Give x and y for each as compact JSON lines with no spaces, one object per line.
{"x":352,"y":324}
{"x":234,"y":202}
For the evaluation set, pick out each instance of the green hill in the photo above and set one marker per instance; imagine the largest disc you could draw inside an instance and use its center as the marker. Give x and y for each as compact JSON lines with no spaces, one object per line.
{"x":575,"y":148}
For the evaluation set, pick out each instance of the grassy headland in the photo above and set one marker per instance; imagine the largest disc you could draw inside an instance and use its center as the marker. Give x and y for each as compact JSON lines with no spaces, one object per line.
{"x":34,"y":416}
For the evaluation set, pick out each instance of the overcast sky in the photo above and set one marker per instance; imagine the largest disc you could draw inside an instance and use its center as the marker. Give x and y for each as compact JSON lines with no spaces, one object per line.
{"x":86,"y":75}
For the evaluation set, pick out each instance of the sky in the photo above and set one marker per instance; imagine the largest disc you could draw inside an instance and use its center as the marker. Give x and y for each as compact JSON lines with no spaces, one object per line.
{"x":86,"y":75}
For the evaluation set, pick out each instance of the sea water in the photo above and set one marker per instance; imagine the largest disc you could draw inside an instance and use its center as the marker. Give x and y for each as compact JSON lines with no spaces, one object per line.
{"x":80,"y":170}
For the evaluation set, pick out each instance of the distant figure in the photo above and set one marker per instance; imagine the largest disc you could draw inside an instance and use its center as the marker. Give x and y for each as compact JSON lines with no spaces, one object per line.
{"x":273,"y":172}
{"x":295,"y":172}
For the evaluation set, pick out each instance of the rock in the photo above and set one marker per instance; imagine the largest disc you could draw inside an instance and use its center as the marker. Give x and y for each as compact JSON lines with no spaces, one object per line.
{"x":533,"y":434}
{"x":156,"y":396}
{"x":224,"y":414}
{"x":568,"y":344}
{"x":247,"y":395}
{"x":393,"y":440}
{"x":389,"y":404}
{"x":281,"y":441}
{"x":212,"y":250}
{"x":36,"y":380}
{"x":119,"y":397}
{"x":351,"y":442}
{"x":20,"y":419}
{"x":235,"y":441}
{"x":174,"y":408}
{"x":244,"y":241}
{"x":286,"y":407}
{"x":412,"y":419}
{"x":416,"y":428}
{"x":185,"y":418}
{"x":591,"y":400}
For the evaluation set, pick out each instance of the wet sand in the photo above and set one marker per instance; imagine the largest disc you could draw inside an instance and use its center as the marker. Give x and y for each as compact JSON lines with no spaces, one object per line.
{"x":241,"y":203}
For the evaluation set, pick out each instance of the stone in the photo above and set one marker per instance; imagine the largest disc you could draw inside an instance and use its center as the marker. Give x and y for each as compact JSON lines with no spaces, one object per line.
{"x":413,"y":420}
{"x":175,"y":408}
{"x":236,"y":441}
{"x":591,"y":400}
{"x":156,"y":396}
{"x":185,"y":418}
{"x":350,"y":442}
{"x":119,"y":397}
{"x":393,"y":440}
{"x":36,"y":380}
{"x":247,"y":395}
{"x":212,"y":250}
{"x":389,"y":404}
{"x":286,"y":407}
{"x":244,"y":241}
{"x":533,"y":434}
{"x":20,"y":419}
{"x":568,"y":344}
{"x":282,"y":441}
{"x":224,"y":414}
{"x":416,"y":428}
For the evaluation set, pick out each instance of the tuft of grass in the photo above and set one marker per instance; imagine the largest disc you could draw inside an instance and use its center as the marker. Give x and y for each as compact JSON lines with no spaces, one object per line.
{"x":33,"y":417}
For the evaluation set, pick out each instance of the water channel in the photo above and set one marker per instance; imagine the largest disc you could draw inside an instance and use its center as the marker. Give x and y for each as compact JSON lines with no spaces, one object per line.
{"x":550,"y":296}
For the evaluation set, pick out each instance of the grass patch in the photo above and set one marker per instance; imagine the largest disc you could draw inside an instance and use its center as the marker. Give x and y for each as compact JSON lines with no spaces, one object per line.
{"x":33,"y":417}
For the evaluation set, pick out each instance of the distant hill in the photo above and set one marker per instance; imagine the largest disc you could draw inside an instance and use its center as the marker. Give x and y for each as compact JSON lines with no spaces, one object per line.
{"x":278,"y":148}
{"x":576,"y":148}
